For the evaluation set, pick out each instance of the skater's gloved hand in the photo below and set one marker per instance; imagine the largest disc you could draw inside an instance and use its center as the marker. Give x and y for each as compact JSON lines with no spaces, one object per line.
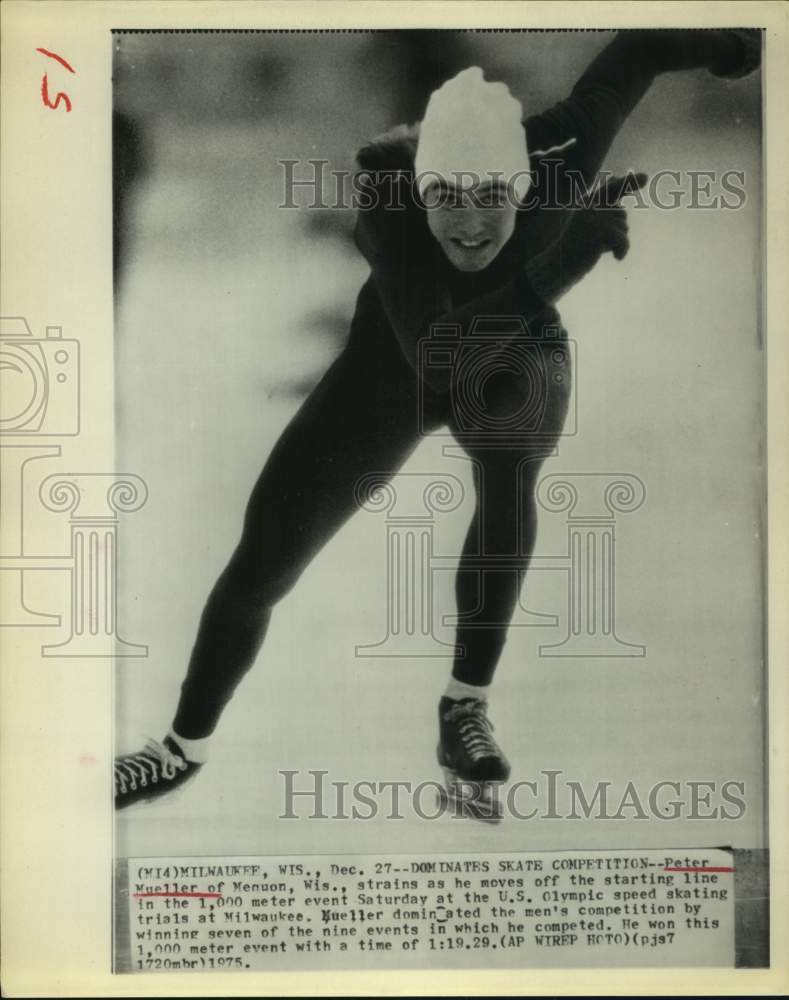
{"x":591,"y":232}
{"x":740,"y":52}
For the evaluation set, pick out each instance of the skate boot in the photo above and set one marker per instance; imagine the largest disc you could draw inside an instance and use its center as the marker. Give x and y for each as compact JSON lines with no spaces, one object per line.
{"x":473,"y":764}
{"x":151,"y":773}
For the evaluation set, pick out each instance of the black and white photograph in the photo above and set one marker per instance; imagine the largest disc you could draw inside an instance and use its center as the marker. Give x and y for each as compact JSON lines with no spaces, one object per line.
{"x":440,"y":356}
{"x":430,"y":573}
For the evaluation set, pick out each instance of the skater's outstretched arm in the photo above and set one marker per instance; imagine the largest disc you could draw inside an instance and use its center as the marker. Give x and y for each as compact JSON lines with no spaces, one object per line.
{"x":620,"y":76}
{"x":590,"y":233}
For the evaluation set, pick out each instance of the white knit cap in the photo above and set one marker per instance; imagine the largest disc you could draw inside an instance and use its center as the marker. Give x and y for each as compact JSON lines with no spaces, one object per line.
{"x":473,"y":126}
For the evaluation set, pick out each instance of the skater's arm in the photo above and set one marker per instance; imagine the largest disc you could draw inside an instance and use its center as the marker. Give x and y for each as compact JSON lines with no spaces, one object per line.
{"x":620,"y":76}
{"x":591,"y":232}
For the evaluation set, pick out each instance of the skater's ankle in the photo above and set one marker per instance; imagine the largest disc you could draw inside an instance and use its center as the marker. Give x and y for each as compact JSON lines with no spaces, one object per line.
{"x":458,"y":690}
{"x":195,"y":751}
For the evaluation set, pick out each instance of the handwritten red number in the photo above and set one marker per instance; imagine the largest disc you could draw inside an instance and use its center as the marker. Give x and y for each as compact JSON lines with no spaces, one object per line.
{"x":60,"y":96}
{"x":60,"y":59}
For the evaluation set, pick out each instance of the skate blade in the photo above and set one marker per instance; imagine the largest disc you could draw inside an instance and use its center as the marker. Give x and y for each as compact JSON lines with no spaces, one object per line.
{"x":473,"y":799}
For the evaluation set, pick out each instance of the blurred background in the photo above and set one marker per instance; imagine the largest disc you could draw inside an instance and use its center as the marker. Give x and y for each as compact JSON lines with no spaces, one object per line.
{"x":229,"y":309}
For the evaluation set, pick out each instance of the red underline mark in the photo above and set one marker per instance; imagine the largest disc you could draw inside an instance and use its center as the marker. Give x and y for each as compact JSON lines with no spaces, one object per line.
{"x":698,"y":869}
{"x":191,"y":895}
{"x":60,"y":59}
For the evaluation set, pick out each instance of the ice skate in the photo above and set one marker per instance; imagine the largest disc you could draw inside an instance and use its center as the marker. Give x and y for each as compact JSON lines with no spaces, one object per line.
{"x":152,"y":773}
{"x":474,"y":767}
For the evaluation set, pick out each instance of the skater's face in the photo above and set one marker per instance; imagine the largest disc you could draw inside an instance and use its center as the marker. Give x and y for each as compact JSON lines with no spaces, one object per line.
{"x":471,"y":225}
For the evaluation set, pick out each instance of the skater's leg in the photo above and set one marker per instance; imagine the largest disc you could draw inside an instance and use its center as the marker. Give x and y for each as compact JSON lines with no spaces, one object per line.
{"x":495,"y":558}
{"x":354,"y":422}
{"x":503,"y":529}
{"x":494,"y":561}
{"x":504,"y":525}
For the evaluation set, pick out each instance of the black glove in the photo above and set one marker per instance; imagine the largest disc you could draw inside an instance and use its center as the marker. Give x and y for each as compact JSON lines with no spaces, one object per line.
{"x":741,"y":52}
{"x":590,"y":233}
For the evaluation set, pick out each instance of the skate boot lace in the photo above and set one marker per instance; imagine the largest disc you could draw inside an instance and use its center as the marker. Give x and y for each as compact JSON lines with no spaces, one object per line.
{"x":474,"y":729}
{"x":153,"y":762}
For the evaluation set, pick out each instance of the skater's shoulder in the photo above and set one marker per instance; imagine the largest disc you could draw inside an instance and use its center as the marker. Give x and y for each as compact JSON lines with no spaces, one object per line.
{"x":393,"y":150}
